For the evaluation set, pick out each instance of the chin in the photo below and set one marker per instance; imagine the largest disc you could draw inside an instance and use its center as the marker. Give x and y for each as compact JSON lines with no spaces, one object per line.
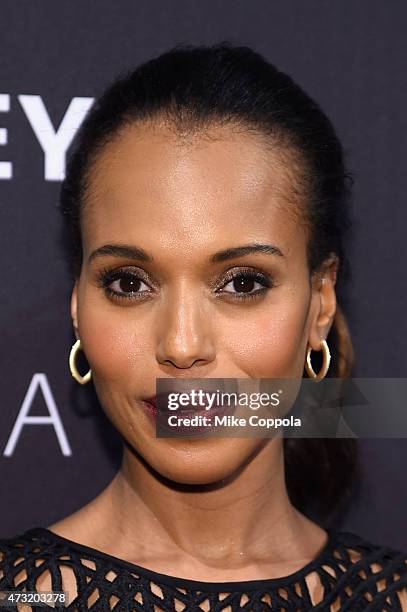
{"x":196,"y":476}
{"x":201,"y":464}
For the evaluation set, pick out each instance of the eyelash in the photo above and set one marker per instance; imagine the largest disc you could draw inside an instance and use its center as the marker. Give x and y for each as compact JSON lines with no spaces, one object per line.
{"x":106,"y":277}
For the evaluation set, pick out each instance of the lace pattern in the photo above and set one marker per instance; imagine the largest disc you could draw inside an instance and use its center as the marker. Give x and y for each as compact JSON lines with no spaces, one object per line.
{"x":350,"y":574}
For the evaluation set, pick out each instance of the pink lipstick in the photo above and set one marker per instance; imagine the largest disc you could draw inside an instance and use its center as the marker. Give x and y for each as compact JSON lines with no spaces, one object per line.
{"x":150,"y":406}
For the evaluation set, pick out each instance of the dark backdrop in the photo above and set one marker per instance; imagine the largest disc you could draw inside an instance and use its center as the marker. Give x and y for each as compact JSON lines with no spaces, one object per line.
{"x":55,"y":57}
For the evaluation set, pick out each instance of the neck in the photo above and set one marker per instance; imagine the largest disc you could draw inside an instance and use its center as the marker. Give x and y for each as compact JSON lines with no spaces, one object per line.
{"x":224,"y":525}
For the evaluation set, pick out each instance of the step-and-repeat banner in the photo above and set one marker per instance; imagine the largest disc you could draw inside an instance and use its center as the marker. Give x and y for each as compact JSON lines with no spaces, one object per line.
{"x":57,"y":450}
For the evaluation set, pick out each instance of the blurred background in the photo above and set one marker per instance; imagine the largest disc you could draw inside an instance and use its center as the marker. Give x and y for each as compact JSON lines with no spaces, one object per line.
{"x":57,"y":451}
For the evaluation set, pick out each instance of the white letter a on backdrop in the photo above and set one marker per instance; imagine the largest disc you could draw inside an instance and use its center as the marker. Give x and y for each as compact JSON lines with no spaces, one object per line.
{"x":38,"y":381}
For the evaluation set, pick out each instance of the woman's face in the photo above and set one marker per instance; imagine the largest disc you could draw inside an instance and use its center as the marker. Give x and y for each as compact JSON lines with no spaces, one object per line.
{"x":179,"y":313}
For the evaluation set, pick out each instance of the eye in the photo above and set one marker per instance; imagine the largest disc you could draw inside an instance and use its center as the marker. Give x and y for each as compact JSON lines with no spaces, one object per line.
{"x":243,"y":284}
{"x":126,"y":285}
{"x":123,"y":284}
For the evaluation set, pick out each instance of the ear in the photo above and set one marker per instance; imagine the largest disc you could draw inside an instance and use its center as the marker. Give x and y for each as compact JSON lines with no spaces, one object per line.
{"x":325,"y":296}
{"x":74,"y":309}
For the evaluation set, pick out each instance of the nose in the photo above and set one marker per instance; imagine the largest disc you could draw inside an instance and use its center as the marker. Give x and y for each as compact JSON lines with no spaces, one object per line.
{"x":185,"y":335}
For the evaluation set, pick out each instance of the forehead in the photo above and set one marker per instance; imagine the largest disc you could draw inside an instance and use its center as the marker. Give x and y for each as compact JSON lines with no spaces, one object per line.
{"x":149,"y":182}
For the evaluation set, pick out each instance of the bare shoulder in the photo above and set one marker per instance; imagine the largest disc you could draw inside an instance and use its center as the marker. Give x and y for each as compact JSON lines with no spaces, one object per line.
{"x":77,"y":527}
{"x":89,"y":524}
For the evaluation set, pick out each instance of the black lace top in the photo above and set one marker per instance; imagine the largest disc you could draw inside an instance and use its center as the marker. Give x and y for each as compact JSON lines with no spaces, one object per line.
{"x":349,"y":574}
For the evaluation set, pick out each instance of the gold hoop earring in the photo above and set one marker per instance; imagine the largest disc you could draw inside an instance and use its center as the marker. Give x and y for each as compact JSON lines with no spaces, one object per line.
{"x":325,"y":364}
{"x":72,"y":365}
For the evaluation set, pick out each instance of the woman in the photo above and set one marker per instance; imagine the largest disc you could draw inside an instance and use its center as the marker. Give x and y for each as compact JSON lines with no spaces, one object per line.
{"x":183,"y":171}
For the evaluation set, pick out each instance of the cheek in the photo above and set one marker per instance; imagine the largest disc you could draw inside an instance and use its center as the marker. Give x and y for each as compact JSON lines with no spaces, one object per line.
{"x":272,"y":345}
{"x":115,"y":346}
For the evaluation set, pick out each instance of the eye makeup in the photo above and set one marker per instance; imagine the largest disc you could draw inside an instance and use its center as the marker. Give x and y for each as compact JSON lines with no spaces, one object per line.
{"x":124,"y":284}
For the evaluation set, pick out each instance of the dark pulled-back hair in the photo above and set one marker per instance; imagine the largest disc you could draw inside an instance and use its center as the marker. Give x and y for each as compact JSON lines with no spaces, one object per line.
{"x":193,"y":88}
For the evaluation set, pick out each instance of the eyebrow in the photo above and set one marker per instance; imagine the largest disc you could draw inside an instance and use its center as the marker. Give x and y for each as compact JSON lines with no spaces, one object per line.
{"x":133,"y":252}
{"x":121,"y":250}
{"x":239,"y":251}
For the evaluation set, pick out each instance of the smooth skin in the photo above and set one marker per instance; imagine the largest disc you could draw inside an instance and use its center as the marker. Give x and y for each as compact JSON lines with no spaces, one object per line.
{"x":212,"y":509}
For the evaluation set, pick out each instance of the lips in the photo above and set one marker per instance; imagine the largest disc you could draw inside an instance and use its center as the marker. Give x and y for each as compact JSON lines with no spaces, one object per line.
{"x":161,"y":401}
{"x":151,"y":406}
{"x":187,"y":411}
{"x":152,"y":401}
